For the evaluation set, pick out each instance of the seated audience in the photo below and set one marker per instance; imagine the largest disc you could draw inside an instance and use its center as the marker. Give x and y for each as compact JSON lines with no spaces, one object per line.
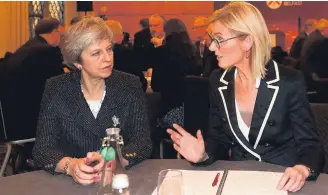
{"x":78,"y":107}
{"x":258,"y":108}
{"x":123,"y":56}
{"x":172,"y":62}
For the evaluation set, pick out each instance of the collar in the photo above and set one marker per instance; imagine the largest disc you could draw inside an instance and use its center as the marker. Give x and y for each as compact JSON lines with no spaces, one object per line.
{"x":271,"y":76}
{"x":257,"y":82}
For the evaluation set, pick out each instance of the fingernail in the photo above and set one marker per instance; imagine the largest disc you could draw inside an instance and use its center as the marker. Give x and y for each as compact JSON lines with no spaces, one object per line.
{"x":95,"y":171}
{"x":87,"y":161}
{"x":109,"y":165}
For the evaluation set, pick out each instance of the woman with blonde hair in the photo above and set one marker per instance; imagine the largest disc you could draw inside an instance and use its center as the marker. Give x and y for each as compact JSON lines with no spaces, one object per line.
{"x":78,"y":107}
{"x":258,"y":108}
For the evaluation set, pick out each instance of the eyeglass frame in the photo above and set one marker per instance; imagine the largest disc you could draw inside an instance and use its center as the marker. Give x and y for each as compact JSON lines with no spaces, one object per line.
{"x":218,"y":42}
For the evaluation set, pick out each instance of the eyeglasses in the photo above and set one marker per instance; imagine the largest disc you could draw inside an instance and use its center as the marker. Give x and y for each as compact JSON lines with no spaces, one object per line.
{"x":219,"y":42}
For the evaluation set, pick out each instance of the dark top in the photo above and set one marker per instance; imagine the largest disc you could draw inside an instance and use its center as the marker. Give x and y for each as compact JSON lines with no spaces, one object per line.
{"x":296,"y":48}
{"x":142,"y":48}
{"x":172,"y":62}
{"x":23,"y":77}
{"x":67,"y":126}
{"x":307,"y":50}
{"x":208,"y":61}
{"x":282,"y":130}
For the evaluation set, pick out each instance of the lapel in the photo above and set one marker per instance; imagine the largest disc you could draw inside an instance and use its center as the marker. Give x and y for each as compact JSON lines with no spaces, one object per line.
{"x":113,"y":99}
{"x":228,"y":97}
{"x":83,"y":115}
{"x":264,"y":102}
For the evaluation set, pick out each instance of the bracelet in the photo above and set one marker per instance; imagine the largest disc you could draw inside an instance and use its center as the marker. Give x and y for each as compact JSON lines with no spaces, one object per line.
{"x":66,"y":166}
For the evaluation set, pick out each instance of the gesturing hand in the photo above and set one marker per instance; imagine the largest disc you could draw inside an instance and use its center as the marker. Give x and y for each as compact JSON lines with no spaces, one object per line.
{"x":190,"y":147}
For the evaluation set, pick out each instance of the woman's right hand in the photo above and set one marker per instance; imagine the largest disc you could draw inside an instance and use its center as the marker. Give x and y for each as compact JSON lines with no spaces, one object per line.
{"x":190,"y":147}
{"x":82,"y":172}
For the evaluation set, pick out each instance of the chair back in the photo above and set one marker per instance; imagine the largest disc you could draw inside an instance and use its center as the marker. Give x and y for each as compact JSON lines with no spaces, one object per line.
{"x":320,"y":112}
{"x":196,"y":104}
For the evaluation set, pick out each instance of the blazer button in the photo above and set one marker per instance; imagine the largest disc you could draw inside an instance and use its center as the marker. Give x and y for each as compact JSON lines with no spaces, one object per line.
{"x":271,"y":123}
{"x":266,"y":145}
{"x":224,"y":120}
{"x":232,"y":143}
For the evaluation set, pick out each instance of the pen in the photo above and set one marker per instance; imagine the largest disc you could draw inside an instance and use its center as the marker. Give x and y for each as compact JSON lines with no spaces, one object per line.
{"x":216,"y":179}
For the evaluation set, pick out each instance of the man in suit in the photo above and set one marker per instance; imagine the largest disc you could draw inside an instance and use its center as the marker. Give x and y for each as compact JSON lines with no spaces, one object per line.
{"x":309,"y":27}
{"x":146,"y":41}
{"x":142,"y":44}
{"x":305,"y":64}
{"x":25,"y":75}
{"x":206,"y":57}
{"x":123,"y":54}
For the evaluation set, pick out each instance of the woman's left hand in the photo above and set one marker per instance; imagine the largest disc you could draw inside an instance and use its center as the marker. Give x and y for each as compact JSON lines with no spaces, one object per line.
{"x":294,"y":178}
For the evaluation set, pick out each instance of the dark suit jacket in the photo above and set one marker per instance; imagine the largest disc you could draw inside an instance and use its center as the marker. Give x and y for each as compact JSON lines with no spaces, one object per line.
{"x":282,"y":130}
{"x":142,"y":47}
{"x":67,"y":127}
{"x":124,"y":61}
{"x":295,"y":50}
{"x":208,"y":61}
{"x":25,"y":74}
{"x":307,"y":50}
{"x":317,"y":58}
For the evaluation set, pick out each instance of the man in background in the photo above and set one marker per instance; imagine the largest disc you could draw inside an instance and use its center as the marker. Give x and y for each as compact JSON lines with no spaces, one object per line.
{"x":205,"y":57}
{"x":123,"y":56}
{"x":308,"y":49}
{"x":25,"y":75}
{"x":309,"y":26}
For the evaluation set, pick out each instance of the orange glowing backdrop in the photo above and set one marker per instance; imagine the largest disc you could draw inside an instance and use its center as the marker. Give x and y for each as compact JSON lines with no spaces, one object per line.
{"x":128,"y":13}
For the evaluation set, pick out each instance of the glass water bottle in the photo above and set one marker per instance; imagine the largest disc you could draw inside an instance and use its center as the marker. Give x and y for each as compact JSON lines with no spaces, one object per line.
{"x":111,"y":153}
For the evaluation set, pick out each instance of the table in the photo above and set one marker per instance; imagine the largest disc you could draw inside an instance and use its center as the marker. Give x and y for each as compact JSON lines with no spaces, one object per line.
{"x":143,"y":179}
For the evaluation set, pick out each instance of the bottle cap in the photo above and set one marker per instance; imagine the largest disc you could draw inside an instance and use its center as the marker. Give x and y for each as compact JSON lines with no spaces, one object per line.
{"x":120,"y":181}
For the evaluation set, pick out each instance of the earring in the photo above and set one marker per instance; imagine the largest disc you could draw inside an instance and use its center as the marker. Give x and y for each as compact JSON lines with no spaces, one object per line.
{"x":79,"y":66}
{"x":247,"y":54}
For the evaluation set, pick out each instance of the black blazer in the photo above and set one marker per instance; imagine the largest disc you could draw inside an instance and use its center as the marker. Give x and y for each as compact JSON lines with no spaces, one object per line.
{"x":24,"y":76}
{"x":141,"y":49}
{"x":305,"y":62}
{"x":67,"y":127}
{"x":282,"y":130}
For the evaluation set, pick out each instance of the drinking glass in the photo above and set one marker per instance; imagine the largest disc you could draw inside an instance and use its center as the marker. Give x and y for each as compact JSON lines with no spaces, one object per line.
{"x":170,"y":182}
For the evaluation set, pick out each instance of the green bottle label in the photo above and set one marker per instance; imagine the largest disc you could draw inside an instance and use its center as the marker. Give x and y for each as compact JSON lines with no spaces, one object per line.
{"x":108,"y":153}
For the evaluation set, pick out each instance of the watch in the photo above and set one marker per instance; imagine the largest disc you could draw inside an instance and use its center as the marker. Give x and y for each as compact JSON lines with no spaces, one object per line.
{"x":313,"y":175}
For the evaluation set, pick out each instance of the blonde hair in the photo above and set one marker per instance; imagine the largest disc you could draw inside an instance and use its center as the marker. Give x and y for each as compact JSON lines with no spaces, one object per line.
{"x":242,"y":18}
{"x":82,"y":35}
{"x":115,"y":26}
{"x":322,"y":24}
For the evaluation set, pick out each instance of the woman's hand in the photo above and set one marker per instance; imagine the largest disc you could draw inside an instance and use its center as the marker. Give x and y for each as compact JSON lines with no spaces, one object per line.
{"x":294,"y":178}
{"x":82,"y":172}
{"x":191,"y":148}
